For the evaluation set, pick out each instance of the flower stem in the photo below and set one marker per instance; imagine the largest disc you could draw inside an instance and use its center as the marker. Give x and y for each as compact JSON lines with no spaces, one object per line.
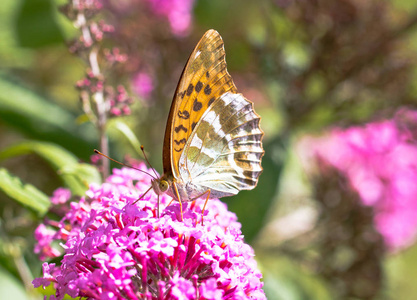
{"x":97,"y":97}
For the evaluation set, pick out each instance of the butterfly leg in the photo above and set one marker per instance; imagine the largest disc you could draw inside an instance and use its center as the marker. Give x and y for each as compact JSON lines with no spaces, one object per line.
{"x":179,"y":198}
{"x":204,"y":207}
{"x":157,"y":208}
{"x":143,"y":195}
{"x":208,"y":192}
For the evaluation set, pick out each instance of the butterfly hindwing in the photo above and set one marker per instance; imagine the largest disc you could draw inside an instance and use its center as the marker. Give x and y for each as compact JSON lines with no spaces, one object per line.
{"x":204,"y":79}
{"x":224,"y":153}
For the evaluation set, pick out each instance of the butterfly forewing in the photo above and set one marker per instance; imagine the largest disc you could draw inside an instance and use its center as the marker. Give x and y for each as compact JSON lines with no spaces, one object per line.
{"x":204,"y":79}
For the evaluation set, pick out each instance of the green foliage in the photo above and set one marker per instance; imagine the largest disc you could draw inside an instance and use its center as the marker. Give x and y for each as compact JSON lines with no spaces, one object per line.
{"x":128,"y":134}
{"x":36,"y":117}
{"x":10,"y":288}
{"x":36,"y":25}
{"x":25,"y":194}
{"x":284,"y":280}
{"x":74,"y":175}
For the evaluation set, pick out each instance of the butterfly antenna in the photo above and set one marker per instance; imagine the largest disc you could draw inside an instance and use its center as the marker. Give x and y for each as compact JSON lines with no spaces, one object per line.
{"x":146,"y":159}
{"x":120,"y":163}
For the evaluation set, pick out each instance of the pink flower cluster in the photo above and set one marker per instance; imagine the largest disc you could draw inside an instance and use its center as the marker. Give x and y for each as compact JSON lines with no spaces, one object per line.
{"x":119,"y":101}
{"x":380,"y":162}
{"x":143,"y":85}
{"x":114,"y":248}
{"x":178,"y":13}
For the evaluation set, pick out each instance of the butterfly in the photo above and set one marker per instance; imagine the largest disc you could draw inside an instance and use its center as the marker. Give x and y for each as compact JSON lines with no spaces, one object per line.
{"x":213,"y":141}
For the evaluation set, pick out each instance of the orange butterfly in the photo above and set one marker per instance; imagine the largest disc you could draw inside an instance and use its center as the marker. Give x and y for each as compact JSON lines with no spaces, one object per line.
{"x":213,"y":142}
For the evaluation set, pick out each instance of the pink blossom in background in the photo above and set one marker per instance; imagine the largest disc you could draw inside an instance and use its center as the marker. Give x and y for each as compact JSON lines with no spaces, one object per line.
{"x":60,"y":196}
{"x":119,"y":101}
{"x":95,"y":158}
{"x":380,"y":163}
{"x":142,"y":84}
{"x":178,"y":13}
{"x":114,"y":248}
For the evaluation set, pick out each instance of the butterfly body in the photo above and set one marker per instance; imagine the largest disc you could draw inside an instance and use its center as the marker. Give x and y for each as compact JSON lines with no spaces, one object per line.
{"x":187,"y":191}
{"x":213,"y":142}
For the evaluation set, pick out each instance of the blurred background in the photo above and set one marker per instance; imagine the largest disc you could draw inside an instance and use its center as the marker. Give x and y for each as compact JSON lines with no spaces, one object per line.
{"x":334,"y":215}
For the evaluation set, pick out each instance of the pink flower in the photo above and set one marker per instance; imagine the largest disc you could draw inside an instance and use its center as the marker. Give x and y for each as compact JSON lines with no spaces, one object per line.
{"x":178,"y":13}
{"x":209,"y":290}
{"x":115,"y":111}
{"x":45,"y":236}
{"x":380,"y":163}
{"x":60,"y":196}
{"x":96,"y":158}
{"x":114,"y":248}
{"x":182,"y":288}
{"x":143,"y":84}
{"x":119,"y":101}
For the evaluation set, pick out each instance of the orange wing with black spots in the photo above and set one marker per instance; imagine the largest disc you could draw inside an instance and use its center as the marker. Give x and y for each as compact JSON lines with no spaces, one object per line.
{"x":204,"y":79}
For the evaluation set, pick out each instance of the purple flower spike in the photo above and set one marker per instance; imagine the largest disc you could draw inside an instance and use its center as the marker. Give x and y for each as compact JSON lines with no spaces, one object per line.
{"x":114,"y":249}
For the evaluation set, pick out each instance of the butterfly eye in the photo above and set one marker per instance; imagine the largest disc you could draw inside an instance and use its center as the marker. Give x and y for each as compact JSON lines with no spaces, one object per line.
{"x":163,"y":185}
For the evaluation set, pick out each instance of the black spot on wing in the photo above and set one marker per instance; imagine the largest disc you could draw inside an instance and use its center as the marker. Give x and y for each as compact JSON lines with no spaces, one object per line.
{"x":193,"y":125}
{"x":197,"y":105}
{"x":198,"y":86}
{"x":211,"y":101}
{"x":179,"y":128}
{"x":183,"y":114}
{"x":181,"y":141}
{"x":190,"y":89}
{"x":207,"y":90}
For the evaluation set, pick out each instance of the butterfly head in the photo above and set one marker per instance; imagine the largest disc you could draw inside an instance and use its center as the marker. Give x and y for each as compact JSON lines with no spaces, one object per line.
{"x":161,"y":185}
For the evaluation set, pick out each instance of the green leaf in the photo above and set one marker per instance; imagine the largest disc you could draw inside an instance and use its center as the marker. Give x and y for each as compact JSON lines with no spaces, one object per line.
{"x":285,"y":278}
{"x":128,"y":133}
{"x":85,"y":172}
{"x":10,"y":288}
{"x":36,"y":25}
{"x":54,"y":154}
{"x":76,"y":176}
{"x":38,"y":118}
{"x":25,"y":194}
